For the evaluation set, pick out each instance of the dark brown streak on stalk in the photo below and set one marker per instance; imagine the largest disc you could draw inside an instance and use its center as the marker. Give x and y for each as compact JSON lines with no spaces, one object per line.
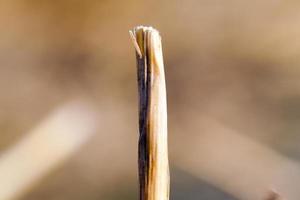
{"x":143,"y":74}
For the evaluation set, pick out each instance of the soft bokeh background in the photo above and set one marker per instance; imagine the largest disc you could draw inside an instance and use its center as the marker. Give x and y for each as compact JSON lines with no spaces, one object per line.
{"x":232,"y":72}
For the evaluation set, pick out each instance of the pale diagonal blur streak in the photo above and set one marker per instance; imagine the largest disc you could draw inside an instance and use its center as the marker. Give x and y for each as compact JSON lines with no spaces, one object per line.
{"x":45,"y":148}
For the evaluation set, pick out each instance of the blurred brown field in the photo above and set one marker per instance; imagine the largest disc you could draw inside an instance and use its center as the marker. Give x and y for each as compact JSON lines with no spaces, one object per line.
{"x":232,"y":74}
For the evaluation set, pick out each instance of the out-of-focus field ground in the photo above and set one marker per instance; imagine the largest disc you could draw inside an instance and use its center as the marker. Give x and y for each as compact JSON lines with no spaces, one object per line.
{"x":68,"y":98}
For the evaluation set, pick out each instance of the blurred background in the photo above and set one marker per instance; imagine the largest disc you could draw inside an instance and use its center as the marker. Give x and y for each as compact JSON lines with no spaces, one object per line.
{"x":68,"y":101}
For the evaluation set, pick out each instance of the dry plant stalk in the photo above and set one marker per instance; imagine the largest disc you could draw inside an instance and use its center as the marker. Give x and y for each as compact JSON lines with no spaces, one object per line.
{"x":153,"y":146}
